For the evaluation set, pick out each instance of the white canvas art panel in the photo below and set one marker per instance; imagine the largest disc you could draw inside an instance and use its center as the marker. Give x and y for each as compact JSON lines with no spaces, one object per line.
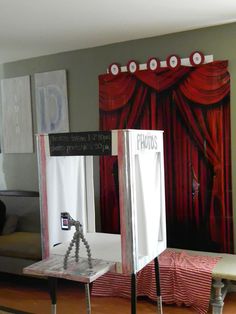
{"x":16,"y":115}
{"x":51,"y":102}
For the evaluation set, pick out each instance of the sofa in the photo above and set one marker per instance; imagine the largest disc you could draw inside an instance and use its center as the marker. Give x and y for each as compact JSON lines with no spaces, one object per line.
{"x":20,"y":239}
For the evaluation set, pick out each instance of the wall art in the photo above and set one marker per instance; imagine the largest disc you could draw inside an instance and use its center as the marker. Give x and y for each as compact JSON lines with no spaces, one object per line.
{"x":51,"y":102}
{"x":16,"y":115}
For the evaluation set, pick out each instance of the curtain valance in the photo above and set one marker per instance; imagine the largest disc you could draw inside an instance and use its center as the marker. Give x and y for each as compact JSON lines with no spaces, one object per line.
{"x":207,"y":84}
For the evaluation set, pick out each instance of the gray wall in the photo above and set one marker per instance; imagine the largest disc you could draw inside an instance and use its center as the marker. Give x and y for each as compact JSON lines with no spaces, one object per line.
{"x":83,"y":68}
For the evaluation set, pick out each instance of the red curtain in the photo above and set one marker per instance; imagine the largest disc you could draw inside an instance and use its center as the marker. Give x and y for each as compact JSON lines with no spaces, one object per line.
{"x":191,"y":105}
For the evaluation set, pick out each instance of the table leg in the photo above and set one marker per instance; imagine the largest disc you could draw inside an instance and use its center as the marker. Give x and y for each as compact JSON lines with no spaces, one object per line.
{"x":53,"y":293}
{"x":87,"y":296}
{"x":158,"y":286}
{"x":133,"y":294}
{"x":217,"y":302}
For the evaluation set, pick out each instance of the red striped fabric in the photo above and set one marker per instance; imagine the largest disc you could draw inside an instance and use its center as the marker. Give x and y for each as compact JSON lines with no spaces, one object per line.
{"x":185,"y":279}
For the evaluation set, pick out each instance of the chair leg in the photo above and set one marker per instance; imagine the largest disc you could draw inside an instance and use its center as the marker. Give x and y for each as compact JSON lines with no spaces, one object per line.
{"x":87,"y":296}
{"x":133,"y":294}
{"x":53,"y":293}
{"x":158,"y":286}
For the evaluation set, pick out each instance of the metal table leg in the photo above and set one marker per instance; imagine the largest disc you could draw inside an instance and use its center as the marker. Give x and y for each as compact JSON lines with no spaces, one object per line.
{"x":87,"y":296}
{"x":158,"y":287}
{"x":133,"y":294}
{"x":53,"y":293}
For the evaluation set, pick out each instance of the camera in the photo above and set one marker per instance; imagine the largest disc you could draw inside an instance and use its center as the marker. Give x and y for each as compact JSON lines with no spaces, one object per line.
{"x":65,"y":221}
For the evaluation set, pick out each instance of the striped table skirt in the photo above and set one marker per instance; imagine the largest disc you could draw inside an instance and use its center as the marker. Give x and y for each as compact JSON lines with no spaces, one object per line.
{"x":185,"y":279}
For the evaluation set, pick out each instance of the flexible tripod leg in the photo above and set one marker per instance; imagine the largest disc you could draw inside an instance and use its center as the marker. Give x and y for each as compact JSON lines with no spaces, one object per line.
{"x":77,"y":247}
{"x":69,"y":250}
{"x":88,"y":250}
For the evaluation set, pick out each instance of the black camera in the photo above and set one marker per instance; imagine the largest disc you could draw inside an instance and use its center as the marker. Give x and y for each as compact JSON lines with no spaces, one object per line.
{"x":65,"y":221}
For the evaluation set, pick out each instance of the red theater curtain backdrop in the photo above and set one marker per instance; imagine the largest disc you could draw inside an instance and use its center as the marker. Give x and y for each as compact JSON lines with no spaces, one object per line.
{"x":192,"y":106}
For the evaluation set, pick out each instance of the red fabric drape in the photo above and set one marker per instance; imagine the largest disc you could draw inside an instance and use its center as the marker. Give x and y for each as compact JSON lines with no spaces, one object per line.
{"x":191,"y":105}
{"x":126,"y":118}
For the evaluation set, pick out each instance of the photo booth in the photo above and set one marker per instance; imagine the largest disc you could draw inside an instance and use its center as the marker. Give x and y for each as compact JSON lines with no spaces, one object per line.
{"x":66,"y":173}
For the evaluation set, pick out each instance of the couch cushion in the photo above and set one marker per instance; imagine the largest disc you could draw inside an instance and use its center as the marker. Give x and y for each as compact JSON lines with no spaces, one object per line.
{"x":29,"y":222}
{"x":10,"y":224}
{"x":25,"y":245}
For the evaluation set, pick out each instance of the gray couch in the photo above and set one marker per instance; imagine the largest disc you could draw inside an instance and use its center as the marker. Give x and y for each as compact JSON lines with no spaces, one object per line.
{"x":21,"y":245}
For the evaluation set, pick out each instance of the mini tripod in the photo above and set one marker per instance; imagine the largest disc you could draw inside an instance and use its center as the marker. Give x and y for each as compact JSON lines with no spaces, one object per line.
{"x":67,"y":222}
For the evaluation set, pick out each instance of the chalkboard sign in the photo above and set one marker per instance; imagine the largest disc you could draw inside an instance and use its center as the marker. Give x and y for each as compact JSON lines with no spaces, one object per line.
{"x":94,"y":143}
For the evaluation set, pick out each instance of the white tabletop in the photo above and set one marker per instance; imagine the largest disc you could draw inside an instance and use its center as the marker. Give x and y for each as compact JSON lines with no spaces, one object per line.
{"x":225,"y":267}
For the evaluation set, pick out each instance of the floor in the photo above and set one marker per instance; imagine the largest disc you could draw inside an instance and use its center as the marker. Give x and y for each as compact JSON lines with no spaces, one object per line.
{"x":31,"y":295}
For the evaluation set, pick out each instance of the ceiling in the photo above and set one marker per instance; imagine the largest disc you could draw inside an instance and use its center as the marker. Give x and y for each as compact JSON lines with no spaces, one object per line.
{"x":30,"y":28}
